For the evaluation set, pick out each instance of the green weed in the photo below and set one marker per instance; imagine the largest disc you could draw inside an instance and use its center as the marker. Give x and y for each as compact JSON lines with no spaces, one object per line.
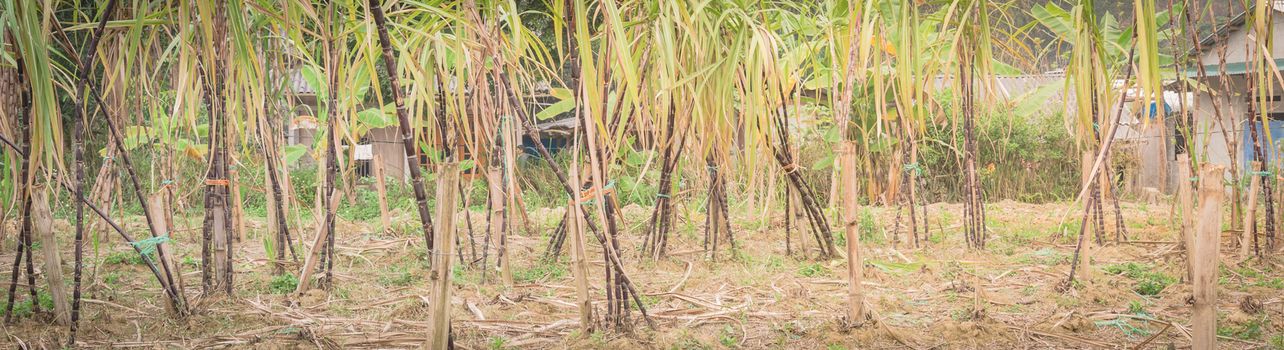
{"x":283,"y":284}
{"x":813,"y":270}
{"x":1148,"y":282}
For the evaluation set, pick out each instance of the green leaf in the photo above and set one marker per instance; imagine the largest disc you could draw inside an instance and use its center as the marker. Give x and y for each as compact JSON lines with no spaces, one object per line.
{"x":1032,"y":102}
{"x":823,"y":163}
{"x":315,"y":79}
{"x":362,"y":80}
{"x":832,"y":134}
{"x":822,"y":79}
{"x":376,"y":118}
{"x":294,"y":152}
{"x":561,"y":93}
{"x":136,"y":136}
{"x":560,"y":107}
{"x":635,"y":159}
{"x":433,"y":154}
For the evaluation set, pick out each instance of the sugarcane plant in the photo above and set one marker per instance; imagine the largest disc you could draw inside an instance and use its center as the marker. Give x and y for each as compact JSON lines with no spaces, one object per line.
{"x":973,"y":55}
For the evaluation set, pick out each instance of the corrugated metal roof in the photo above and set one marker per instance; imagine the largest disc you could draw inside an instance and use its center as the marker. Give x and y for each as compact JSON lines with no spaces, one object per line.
{"x":1231,"y":68}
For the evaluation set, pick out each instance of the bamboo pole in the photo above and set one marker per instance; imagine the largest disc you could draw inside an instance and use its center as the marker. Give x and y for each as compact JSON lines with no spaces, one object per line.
{"x":42,"y":224}
{"x":156,"y":203}
{"x":1204,"y":257}
{"x":238,"y":210}
{"x":440,"y":278}
{"x":497,"y":231}
{"x":856,"y":313}
{"x":278,"y":253}
{"x":1250,"y":213}
{"x":1185,"y":199}
{"x":579,"y":264}
{"x":384,"y":216}
{"x":318,"y":243}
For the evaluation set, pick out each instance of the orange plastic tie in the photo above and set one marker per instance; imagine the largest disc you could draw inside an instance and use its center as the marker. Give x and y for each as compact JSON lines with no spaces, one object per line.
{"x":217,"y":182}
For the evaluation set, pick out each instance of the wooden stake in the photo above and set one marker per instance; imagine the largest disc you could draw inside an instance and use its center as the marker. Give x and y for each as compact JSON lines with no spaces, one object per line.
{"x":277,"y":255}
{"x":1186,"y":200}
{"x":384,"y":219}
{"x":575,"y":229}
{"x":318,"y":243}
{"x":443,"y":250}
{"x":579,"y":264}
{"x":1250,"y":214}
{"x":42,"y":224}
{"x":156,"y":203}
{"x":856,"y":313}
{"x":238,"y":212}
{"x":497,"y":232}
{"x":1208,"y":231}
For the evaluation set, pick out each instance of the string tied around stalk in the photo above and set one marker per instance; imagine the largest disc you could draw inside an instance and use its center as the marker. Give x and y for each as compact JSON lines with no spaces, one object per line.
{"x":148,"y":246}
{"x":791,"y":168}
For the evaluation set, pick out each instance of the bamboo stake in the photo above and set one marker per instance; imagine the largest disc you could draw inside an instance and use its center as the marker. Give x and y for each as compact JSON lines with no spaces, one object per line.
{"x":318,"y":243}
{"x":579,"y":265}
{"x":42,"y":224}
{"x":440,"y":278}
{"x":1204,"y":256}
{"x":384,"y":218}
{"x":157,"y":204}
{"x":278,"y":201}
{"x":1185,"y":199}
{"x":238,"y":212}
{"x":1250,"y":213}
{"x":497,"y":201}
{"x":856,"y":313}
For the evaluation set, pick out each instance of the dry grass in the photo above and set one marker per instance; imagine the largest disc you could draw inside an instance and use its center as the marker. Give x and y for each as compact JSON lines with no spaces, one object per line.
{"x":938,"y":296}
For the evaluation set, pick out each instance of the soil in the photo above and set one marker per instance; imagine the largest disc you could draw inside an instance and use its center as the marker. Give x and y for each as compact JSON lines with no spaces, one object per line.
{"x":938,"y":294}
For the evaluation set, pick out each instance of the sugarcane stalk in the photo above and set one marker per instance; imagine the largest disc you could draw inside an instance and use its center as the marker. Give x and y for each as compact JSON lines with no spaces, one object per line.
{"x":403,"y":124}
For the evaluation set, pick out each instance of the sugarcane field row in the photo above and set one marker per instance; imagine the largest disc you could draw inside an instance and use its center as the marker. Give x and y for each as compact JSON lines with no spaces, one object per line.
{"x":642,"y":174}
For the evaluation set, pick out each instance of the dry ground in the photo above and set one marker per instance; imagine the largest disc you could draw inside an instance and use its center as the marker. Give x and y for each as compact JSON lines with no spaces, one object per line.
{"x":939,"y":295}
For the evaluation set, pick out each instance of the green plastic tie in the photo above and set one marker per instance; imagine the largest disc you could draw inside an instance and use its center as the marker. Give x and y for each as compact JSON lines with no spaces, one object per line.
{"x":1124,"y":326}
{"x":148,"y":246}
{"x":914,"y":167}
{"x":662,"y":195}
{"x":167,"y":182}
{"x":1263,"y":173}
